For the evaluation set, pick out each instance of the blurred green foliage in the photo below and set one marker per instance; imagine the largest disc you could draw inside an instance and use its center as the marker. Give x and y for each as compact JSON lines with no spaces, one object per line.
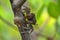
{"x":53,"y":10}
{"x":6,"y":31}
{"x":50,"y":9}
{"x":43,"y":9}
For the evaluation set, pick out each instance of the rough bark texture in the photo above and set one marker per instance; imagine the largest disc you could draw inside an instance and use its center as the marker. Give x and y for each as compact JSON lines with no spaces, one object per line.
{"x":18,"y":3}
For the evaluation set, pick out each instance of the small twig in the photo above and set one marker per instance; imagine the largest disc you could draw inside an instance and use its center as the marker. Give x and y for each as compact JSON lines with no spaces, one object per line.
{"x":18,"y":3}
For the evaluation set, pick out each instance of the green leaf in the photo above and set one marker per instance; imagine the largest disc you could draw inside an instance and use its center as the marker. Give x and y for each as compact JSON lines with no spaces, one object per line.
{"x":53,"y":10}
{"x":59,"y":2}
{"x":35,"y":4}
{"x":40,"y":11}
{"x":7,"y":32}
